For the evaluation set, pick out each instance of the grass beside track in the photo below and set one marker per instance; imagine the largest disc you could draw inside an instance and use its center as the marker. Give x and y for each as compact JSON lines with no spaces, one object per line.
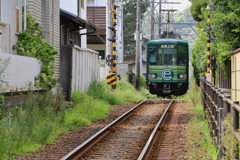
{"x":29,"y":127}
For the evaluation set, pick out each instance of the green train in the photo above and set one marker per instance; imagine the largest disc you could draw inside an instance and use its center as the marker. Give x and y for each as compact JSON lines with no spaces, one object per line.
{"x":167,"y":66}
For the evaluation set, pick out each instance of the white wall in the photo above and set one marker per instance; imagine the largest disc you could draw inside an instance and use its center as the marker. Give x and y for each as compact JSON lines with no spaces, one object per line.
{"x":19,"y":72}
{"x":83,"y":14}
{"x":85,"y":68}
{"x":101,"y":2}
{"x":97,"y":2}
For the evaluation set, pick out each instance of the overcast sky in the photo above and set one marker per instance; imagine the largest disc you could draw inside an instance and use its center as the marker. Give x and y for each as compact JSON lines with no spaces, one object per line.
{"x":71,"y":5}
{"x":180,"y":7}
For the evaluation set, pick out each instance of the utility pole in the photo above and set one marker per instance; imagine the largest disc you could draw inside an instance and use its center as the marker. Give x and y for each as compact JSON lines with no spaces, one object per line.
{"x":159,"y":17}
{"x":138,"y":46}
{"x":152,"y":20}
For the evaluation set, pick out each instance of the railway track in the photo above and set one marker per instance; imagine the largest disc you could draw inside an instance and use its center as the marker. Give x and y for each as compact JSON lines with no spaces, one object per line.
{"x":140,"y":133}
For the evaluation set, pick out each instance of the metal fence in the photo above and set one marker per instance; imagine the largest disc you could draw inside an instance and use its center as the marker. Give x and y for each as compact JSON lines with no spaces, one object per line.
{"x":218,"y":104}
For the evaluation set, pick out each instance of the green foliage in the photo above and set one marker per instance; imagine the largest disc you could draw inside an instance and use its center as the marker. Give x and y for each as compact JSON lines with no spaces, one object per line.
{"x":193,"y":94}
{"x":225,"y":32}
{"x":30,"y":126}
{"x":101,"y":90}
{"x":198,"y":132}
{"x":30,"y":43}
{"x":27,"y":128}
{"x":3,"y":65}
{"x":196,"y":9}
{"x":230,"y":142}
{"x":124,"y":92}
{"x":87,"y":109}
{"x":199,"y":137}
{"x":129,"y":26}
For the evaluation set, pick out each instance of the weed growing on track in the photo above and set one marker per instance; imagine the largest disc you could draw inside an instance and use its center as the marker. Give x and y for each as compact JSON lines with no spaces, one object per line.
{"x":27,"y":128}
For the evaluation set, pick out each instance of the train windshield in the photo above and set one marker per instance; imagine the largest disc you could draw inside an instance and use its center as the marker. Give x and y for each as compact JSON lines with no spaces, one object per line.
{"x":168,"y":54}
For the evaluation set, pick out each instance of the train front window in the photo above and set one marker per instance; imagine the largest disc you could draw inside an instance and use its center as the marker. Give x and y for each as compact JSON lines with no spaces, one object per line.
{"x":153,"y":55}
{"x":182,"y":55}
{"x":167,"y":54}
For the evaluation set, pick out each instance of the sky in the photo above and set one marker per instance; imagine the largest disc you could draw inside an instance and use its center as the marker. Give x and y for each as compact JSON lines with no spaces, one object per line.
{"x":71,"y":5}
{"x":180,"y":7}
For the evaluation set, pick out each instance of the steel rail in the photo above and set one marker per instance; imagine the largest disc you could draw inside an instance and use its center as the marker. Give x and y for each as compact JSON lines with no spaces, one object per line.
{"x":145,"y":150}
{"x":81,"y":148}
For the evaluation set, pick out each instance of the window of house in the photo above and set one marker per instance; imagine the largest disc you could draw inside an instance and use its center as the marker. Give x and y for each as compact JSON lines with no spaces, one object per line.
{"x":44,"y":12}
{"x":90,"y":3}
{"x":17,"y":17}
{"x":16,"y":2}
{"x":101,"y":53}
{"x":5,"y":14}
{"x":62,"y":35}
{"x":82,"y":4}
{"x":0,"y":9}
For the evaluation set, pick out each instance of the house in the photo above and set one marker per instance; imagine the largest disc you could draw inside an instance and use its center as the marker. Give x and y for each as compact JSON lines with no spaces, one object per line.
{"x":47,"y":14}
{"x":79,"y":66}
{"x":100,"y":13}
{"x":15,"y":70}
{"x":70,"y":32}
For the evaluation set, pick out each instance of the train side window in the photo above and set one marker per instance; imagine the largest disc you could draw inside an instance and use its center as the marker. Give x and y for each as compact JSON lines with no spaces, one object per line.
{"x":181,"y":55}
{"x":152,"y":55}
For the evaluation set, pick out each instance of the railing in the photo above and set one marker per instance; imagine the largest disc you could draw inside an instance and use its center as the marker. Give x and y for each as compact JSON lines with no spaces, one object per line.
{"x":217,"y":104}
{"x":97,"y":16}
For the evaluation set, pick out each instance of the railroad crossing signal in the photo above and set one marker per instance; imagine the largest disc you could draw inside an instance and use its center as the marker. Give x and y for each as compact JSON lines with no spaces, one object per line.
{"x":111,"y":60}
{"x":112,"y":79}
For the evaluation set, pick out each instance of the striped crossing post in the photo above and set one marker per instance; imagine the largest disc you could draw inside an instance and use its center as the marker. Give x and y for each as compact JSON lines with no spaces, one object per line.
{"x":112,"y":77}
{"x":209,"y":73}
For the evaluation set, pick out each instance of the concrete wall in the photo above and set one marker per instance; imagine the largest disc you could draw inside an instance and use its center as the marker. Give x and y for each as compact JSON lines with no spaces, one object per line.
{"x":18,"y":72}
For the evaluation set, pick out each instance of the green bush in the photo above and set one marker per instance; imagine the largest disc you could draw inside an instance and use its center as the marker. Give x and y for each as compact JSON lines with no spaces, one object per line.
{"x":101,"y":90}
{"x":86,"y":111}
{"x":29,"y":127}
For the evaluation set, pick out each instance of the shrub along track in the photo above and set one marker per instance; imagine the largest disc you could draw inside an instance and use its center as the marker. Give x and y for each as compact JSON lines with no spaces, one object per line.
{"x":51,"y":151}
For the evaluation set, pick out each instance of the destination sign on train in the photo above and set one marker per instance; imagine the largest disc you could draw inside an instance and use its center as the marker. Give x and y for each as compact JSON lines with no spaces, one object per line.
{"x":170,"y":46}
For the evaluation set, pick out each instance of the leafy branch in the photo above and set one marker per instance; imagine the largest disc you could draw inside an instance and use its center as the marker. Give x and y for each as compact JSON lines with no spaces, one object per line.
{"x":31,"y":44}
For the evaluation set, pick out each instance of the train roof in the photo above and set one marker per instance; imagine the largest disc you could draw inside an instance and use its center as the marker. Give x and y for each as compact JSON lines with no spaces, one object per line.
{"x":167,"y":41}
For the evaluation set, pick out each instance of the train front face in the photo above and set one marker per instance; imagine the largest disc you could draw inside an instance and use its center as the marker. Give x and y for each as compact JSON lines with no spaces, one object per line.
{"x":167,"y":67}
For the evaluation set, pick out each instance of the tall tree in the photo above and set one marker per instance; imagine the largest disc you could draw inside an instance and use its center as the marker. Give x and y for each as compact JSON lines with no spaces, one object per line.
{"x":225,"y":32}
{"x":129,"y":25}
{"x":196,"y":9}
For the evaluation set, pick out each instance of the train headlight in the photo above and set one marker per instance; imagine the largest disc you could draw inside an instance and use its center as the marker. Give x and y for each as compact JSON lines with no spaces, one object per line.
{"x":181,"y":76}
{"x":152,"y":76}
